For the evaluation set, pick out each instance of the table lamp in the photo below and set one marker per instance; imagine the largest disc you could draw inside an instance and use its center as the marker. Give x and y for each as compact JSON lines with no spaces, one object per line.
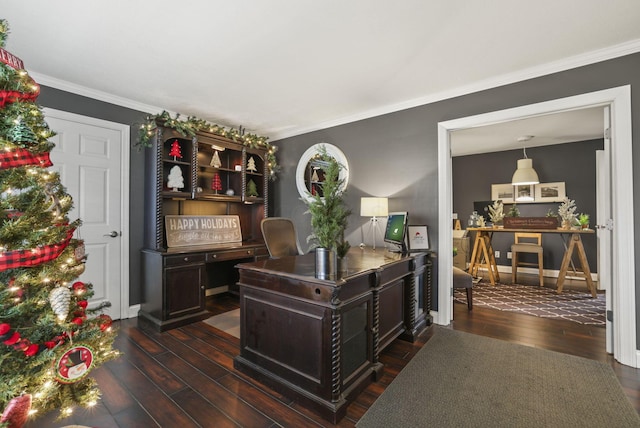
{"x":374,"y":208}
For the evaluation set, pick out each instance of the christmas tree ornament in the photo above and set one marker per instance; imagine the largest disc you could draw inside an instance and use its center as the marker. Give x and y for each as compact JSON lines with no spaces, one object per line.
{"x":22,"y":134}
{"x":105,"y":321}
{"x":216,"y":183}
{"x":54,"y":201}
{"x":175,"y":150}
{"x":17,"y":411}
{"x":60,"y":300}
{"x":252,"y":189}
{"x":251,"y":165}
{"x":175,"y":179}
{"x":215,"y":160}
{"x":79,"y":252}
{"x":79,"y":287}
{"x":74,"y":364}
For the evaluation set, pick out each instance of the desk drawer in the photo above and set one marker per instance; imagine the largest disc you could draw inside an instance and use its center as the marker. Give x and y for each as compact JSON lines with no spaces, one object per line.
{"x":183,"y":259}
{"x":230,"y":255}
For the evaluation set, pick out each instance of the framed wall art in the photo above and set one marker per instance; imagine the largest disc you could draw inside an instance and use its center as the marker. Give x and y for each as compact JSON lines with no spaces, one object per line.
{"x":524,"y":193}
{"x":503,"y":192}
{"x":550,"y":192}
{"x":418,"y":237}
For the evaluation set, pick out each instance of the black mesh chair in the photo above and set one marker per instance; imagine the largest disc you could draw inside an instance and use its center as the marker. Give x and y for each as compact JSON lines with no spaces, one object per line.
{"x":280,"y":237}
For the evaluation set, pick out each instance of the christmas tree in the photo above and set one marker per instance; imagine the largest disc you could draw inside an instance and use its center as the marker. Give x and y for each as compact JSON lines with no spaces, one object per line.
{"x":215,"y":160}
{"x":216,"y":183}
{"x":251,"y":165}
{"x":252,"y":189}
{"x":50,"y":339}
{"x":175,"y":150}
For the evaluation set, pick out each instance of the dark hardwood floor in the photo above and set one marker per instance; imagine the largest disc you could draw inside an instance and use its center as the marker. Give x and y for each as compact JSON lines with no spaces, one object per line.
{"x":185,"y":377}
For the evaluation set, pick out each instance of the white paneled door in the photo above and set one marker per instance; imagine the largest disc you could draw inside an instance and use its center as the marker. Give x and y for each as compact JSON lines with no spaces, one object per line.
{"x":88,"y":156}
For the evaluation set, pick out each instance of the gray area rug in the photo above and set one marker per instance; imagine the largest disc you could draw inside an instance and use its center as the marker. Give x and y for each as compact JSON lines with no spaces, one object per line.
{"x":228,"y":322}
{"x":463,"y":380}
{"x":570,"y":305}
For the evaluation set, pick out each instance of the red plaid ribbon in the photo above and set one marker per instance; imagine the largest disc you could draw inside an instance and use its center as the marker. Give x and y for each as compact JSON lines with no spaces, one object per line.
{"x":22,"y":157}
{"x":27,"y":258}
{"x":8,"y":97}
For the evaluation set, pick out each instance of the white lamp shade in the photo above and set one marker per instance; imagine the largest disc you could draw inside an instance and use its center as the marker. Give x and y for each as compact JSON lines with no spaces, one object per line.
{"x":374,"y":207}
{"x":525,"y":174}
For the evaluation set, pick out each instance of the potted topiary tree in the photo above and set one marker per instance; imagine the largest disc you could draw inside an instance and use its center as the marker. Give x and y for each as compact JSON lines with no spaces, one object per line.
{"x":496,"y":213}
{"x":567,"y":213}
{"x":329,"y":215}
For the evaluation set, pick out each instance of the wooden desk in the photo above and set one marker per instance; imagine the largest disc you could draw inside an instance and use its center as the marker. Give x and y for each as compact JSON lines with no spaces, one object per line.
{"x":317,"y":341}
{"x":483,"y":255}
{"x":175,"y":281}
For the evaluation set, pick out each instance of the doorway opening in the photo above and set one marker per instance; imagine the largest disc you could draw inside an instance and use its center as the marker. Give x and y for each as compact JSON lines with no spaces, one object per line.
{"x":623,"y":272}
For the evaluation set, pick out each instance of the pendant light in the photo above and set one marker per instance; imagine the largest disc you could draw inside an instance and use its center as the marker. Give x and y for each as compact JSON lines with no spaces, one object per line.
{"x":525,"y":174}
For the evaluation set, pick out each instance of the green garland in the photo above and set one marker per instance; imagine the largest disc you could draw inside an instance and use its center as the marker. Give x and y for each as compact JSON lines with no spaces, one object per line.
{"x":189,"y":127}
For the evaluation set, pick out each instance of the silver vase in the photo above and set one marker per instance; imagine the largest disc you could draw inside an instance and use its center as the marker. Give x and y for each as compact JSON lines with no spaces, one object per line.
{"x":325,"y":263}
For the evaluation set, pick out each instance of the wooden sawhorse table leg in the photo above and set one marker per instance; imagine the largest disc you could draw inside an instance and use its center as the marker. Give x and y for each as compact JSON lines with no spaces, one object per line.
{"x":575,"y":244}
{"x":482,"y":251}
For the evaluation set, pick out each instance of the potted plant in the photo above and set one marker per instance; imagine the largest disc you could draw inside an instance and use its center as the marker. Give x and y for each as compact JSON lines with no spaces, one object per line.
{"x":496,"y":212}
{"x":329,"y":214}
{"x":514,"y":211}
{"x":583,"y":220}
{"x":567,"y":213}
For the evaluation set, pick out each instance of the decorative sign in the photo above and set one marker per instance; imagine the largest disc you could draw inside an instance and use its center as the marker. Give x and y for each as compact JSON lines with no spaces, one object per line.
{"x":418,"y":237}
{"x":74,"y":364}
{"x":11,"y":60}
{"x":530,"y":222}
{"x":187,"y":230}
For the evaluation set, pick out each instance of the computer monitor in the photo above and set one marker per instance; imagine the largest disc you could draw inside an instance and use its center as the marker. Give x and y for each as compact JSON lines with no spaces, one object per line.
{"x":396,"y":231}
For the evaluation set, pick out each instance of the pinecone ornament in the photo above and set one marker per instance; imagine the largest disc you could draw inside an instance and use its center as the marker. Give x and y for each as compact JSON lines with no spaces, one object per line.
{"x":60,"y":299}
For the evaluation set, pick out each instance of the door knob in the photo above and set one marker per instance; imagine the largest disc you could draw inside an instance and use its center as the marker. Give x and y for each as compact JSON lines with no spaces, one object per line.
{"x":113,"y":234}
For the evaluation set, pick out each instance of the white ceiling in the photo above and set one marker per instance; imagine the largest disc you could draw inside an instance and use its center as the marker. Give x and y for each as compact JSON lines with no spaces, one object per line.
{"x":285,"y":67}
{"x":557,"y":128}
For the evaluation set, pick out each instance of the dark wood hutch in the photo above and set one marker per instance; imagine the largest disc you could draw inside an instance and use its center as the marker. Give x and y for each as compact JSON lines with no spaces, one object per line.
{"x":176,"y":281}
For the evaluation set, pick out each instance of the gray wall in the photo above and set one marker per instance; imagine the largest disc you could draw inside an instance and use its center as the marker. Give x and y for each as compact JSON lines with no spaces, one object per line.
{"x":472,"y":177}
{"x":395,"y":155}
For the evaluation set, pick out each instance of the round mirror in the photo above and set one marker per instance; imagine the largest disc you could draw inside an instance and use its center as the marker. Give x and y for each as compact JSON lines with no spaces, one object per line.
{"x":309,"y":173}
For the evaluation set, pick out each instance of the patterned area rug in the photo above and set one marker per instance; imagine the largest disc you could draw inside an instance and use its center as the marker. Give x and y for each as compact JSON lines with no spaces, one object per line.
{"x":538,"y":301}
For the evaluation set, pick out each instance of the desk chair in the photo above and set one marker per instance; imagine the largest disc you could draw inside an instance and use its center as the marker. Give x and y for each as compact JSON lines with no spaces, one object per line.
{"x":526,"y":243}
{"x":280,"y":237}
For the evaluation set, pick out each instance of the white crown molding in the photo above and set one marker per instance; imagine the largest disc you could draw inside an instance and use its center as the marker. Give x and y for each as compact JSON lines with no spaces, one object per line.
{"x":73,"y":88}
{"x":494,"y":82}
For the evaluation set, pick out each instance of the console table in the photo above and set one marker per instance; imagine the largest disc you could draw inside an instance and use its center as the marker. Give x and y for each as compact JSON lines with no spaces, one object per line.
{"x":317,"y":340}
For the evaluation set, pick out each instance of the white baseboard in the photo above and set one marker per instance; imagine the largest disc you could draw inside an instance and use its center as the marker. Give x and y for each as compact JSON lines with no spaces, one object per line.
{"x":133,"y":311}
{"x":548,"y":273}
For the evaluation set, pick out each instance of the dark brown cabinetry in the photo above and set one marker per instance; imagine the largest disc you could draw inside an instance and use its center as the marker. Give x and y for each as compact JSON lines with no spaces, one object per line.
{"x":199,"y":176}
